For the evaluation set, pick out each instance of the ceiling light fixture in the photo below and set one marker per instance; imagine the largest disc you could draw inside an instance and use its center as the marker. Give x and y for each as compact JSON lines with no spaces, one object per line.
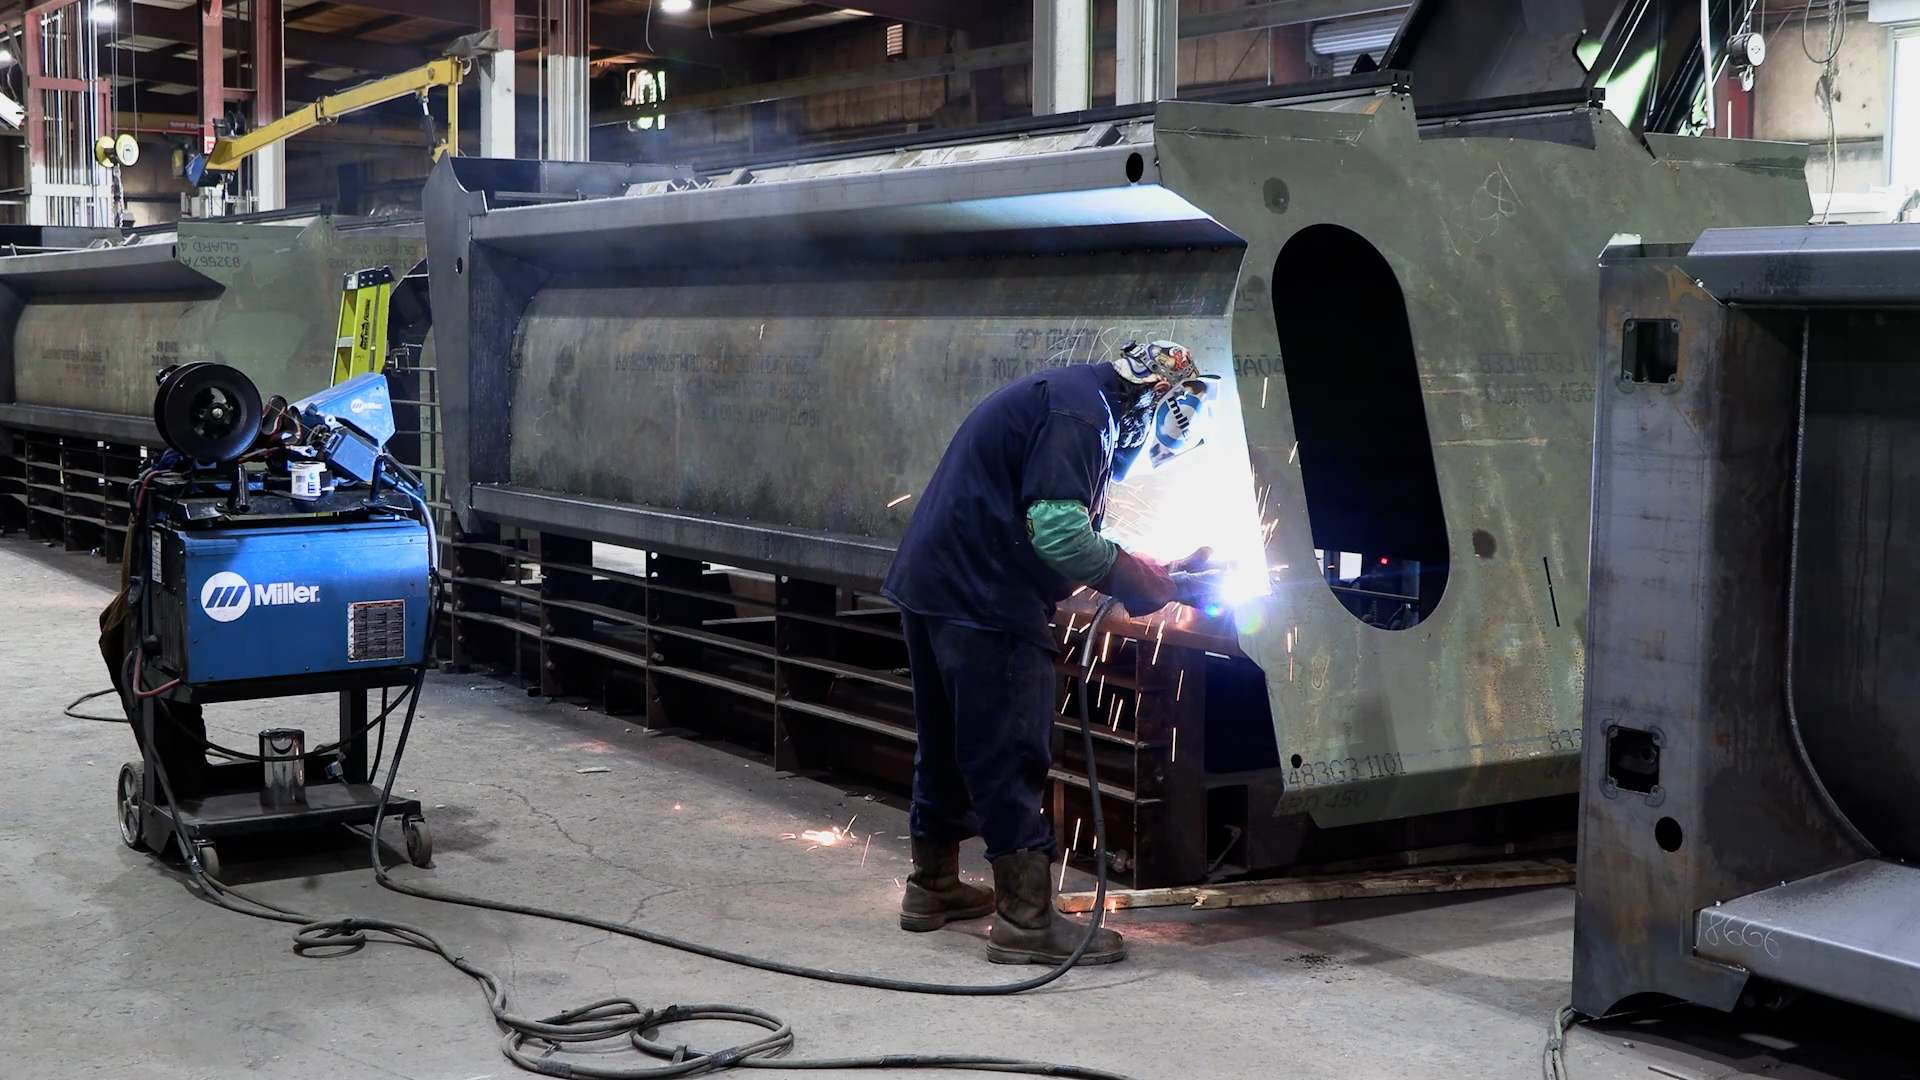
{"x":675,"y":7}
{"x":103,"y":14}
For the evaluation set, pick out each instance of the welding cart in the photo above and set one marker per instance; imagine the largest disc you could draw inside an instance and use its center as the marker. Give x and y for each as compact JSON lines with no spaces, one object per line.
{"x":275,"y":550}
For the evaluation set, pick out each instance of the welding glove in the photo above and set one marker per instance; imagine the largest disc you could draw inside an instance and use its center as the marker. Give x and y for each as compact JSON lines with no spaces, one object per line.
{"x":1140,"y":584}
{"x":1198,"y":588}
{"x":1202,"y":559}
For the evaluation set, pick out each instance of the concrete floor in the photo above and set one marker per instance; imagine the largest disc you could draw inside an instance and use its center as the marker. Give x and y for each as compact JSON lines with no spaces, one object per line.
{"x":110,"y":967}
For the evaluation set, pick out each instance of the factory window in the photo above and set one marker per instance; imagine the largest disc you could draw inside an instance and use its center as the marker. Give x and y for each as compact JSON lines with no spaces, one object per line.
{"x":896,"y":41}
{"x":1366,"y":460}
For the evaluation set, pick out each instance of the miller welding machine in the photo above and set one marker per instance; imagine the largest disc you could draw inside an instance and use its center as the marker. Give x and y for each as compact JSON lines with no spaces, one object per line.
{"x":275,"y":549}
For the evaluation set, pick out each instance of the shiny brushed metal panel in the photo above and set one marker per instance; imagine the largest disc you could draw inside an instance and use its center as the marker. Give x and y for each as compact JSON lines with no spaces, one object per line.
{"x":1848,"y":933}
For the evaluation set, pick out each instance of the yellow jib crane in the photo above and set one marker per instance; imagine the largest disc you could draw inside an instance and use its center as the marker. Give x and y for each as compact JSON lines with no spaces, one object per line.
{"x":228,"y":153}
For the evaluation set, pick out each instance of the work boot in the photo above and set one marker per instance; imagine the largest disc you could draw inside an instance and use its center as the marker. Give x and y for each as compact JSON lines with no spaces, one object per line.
{"x":1028,"y":929}
{"x":935,"y":894}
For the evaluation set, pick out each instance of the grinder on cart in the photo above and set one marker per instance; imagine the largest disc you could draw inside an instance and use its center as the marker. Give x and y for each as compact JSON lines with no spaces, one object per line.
{"x":274,"y":549}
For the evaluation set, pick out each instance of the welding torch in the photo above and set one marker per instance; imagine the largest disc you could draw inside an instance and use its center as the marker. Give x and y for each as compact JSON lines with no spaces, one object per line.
{"x":1197,"y":581}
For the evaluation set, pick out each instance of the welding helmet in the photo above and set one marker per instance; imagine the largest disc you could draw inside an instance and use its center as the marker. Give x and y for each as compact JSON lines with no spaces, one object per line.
{"x":1174,"y":409}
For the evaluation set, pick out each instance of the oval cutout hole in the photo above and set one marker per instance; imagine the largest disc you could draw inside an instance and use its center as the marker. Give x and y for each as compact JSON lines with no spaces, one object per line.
{"x":1366,"y":459}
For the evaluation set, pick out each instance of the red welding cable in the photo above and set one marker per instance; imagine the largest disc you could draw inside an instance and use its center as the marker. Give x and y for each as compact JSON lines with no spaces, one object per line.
{"x":138,"y":657}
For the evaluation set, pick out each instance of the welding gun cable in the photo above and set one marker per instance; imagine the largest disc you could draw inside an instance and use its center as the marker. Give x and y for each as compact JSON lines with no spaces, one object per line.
{"x":609,"y":1017}
{"x":599,"y":1021}
{"x":1802,"y":755}
{"x":83,"y":699}
{"x":875,"y":982}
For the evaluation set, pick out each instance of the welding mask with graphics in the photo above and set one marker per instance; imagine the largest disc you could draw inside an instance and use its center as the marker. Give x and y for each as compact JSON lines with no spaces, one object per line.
{"x":1171,"y":413}
{"x":1180,"y":416}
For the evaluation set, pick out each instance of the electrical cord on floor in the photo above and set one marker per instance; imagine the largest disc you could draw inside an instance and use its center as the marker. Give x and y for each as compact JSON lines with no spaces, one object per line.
{"x":1553,"y":1060}
{"x":200,"y":740}
{"x":83,"y":699}
{"x":529,"y":1043}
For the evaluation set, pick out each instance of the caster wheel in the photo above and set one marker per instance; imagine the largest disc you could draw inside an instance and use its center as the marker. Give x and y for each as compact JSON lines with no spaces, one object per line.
{"x":132,"y":807}
{"x":209,"y":860}
{"x":419,"y":841}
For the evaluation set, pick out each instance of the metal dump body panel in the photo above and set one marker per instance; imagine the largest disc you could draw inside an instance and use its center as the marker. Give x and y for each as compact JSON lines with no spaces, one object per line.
{"x":99,"y":353}
{"x":95,"y":325}
{"x":1494,"y":242}
{"x":1751,"y":628}
{"x":665,"y":352}
{"x":820,"y":405}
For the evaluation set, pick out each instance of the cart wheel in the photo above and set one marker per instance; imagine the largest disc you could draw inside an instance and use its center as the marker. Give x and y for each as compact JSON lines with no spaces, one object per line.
{"x":209,"y":859}
{"x":419,"y":841}
{"x":132,"y":808}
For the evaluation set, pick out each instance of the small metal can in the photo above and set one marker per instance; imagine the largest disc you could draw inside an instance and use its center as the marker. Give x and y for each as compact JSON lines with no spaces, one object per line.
{"x":307,"y":479}
{"x":285,"y":780}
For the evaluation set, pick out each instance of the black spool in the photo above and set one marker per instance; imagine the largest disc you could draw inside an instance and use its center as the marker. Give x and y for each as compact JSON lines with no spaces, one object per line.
{"x":210,"y":413}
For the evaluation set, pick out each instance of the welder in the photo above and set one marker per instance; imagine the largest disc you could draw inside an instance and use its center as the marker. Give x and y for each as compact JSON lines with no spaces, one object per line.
{"x":1006,"y":529}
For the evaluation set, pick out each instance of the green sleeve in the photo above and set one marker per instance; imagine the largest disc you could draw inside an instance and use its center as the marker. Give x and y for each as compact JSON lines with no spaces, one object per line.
{"x":1063,"y":537}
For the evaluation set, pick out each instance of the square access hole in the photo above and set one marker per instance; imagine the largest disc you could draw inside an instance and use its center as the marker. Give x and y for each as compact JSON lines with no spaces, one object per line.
{"x":1650,"y":350}
{"x":1633,"y":760}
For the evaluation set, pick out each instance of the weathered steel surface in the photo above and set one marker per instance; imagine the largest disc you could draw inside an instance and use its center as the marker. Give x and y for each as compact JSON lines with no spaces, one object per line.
{"x":809,"y":370}
{"x":1692,"y":510}
{"x":1751,"y":627}
{"x":832,"y":397}
{"x":125,"y":430}
{"x":264,"y":297}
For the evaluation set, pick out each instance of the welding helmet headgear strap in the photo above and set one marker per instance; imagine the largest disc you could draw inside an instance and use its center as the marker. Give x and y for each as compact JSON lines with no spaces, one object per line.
{"x":1155,"y":362}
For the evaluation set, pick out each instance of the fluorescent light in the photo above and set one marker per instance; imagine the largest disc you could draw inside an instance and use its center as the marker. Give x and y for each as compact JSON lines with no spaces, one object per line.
{"x":103,"y":14}
{"x":675,"y":7}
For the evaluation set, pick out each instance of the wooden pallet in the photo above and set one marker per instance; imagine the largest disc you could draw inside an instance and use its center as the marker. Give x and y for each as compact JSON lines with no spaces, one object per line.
{"x":1513,"y":874}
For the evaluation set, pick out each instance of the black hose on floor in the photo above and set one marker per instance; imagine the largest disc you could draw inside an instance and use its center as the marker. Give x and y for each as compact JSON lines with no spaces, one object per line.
{"x":529,"y":1043}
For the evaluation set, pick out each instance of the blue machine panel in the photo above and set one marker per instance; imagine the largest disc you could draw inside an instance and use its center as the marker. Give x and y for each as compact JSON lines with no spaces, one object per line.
{"x":266,"y":602}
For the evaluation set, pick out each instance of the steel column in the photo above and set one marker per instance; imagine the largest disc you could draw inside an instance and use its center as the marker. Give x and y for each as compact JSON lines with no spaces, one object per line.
{"x":496,"y":84}
{"x":32,"y":70}
{"x":1146,"y":51}
{"x":1062,"y":56}
{"x":269,"y":101}
{"x":567,"y":102}
{"x":213,"y":92}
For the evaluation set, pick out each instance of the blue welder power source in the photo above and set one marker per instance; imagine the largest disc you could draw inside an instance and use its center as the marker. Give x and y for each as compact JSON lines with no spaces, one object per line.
{"x":248,"y":580}
{"x":255,"y":603}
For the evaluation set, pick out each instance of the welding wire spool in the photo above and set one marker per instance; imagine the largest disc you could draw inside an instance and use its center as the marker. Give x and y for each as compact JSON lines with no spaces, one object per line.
{"x":210,"y":413}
